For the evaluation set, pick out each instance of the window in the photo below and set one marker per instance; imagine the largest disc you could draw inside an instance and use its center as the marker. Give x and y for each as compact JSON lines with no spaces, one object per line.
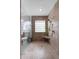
{"x":40,"y":26}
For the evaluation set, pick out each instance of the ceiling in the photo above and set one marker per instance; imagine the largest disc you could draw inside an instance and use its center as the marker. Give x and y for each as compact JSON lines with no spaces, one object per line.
{"x":36,"y":7}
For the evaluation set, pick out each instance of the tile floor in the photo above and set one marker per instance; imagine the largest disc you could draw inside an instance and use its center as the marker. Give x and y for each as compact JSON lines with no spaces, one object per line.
{"x":41,"y":50}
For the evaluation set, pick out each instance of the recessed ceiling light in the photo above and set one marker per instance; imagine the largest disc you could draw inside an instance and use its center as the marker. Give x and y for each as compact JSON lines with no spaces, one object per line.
{"x":40,"y":10}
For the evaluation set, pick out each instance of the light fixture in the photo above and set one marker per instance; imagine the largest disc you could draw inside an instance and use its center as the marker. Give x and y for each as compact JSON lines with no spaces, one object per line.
{"x":40,"y":10}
